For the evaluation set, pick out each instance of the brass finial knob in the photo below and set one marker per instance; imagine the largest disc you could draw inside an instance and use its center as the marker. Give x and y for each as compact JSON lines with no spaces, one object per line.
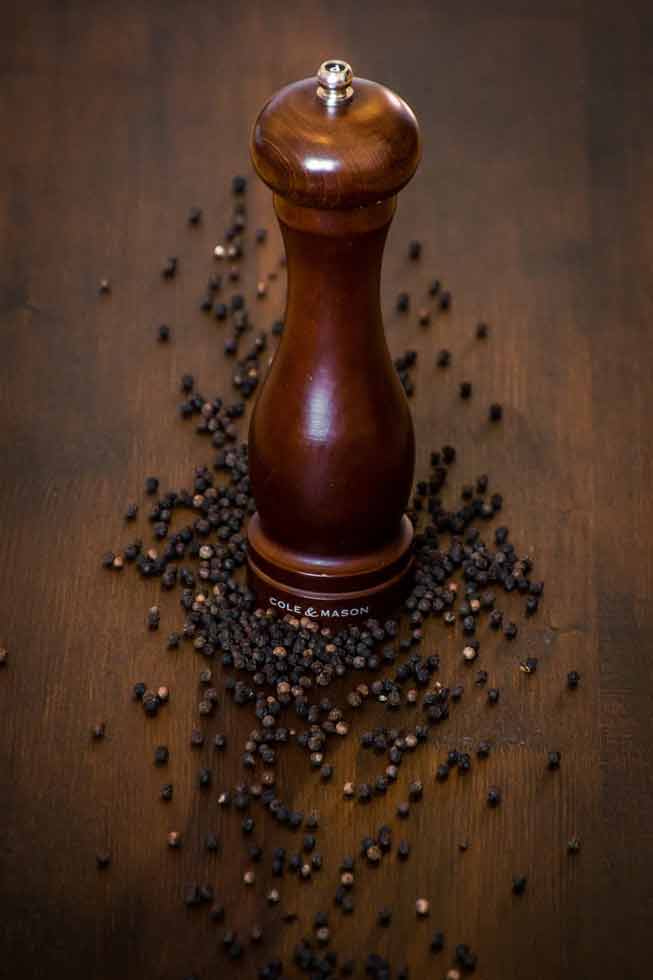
{"x":334,"y":79}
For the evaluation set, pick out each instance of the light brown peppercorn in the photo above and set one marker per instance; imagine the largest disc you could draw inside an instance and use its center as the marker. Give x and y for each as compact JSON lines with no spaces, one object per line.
{"x":422,"y":907}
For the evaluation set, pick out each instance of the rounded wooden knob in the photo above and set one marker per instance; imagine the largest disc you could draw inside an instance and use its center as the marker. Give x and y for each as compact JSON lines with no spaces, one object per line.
{"x":331,"y":438}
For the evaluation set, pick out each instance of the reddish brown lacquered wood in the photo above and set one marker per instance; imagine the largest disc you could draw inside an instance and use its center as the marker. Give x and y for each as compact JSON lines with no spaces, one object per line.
{"x":331,"y":437}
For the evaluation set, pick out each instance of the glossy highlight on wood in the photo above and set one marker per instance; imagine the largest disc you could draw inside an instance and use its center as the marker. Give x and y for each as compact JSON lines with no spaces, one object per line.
{"x":331,"y":440}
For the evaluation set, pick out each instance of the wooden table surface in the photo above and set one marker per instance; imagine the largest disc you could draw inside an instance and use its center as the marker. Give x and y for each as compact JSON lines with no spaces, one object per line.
{"x":533,"y":201}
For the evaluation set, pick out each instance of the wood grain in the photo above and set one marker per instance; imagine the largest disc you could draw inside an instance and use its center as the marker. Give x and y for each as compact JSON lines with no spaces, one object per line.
{"x":533,"y":200}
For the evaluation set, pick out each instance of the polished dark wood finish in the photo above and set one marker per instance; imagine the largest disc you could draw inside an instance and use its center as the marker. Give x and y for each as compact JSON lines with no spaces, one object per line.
{"x":331,"y":439}
{"x":532,"y":200}
{"x":345,"y":156}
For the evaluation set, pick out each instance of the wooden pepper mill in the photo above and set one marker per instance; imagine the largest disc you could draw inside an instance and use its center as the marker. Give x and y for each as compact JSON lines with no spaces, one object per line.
{"x":331,"y":440}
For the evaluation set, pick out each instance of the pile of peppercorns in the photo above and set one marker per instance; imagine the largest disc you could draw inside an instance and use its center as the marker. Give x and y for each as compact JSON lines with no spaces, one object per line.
{"x":281,"y":667}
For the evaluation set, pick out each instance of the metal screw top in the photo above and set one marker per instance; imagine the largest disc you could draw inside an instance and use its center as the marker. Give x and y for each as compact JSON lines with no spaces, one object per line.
{"x":334,"y":82}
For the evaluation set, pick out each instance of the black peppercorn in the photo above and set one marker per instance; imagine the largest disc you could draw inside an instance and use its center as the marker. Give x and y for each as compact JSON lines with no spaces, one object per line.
{"x":166,"y":792}
{"x":443,"y":359}
{"x":532,"y":604}
{"x":553,"y":760}
{"x":163,"y":333}
{"x":384,"y":917}
{"x":204,"y":778}
{"x":403,"y":303}
{"x":414,"y":250}
{"x":239,"y":185}
{"x":161,"y":755}
{"x":465,"y":957}
{"x":103,"y":859}
{"x":437,"y":941}
{"x":494,"y":796}
{"x":415,"y":791}
{"x":519,"y":884}
{"x":510,"y":631}
{"x":482,"y":330}
{"x":465,"y":390}
{"x":495,"y":412}
{"x":493,"y":695}
{"x":573,"y":679}
{"x":170,"y":268}
{"x":448,"y":454}
{"x":194,"y":216}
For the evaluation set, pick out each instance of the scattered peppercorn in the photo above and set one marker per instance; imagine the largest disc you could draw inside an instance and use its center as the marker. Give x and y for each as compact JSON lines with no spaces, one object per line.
{"x":384,"y":917}
{"x":519,"y":884}
{"x":494,"y":796}
{"x":170,"y":268}
{"x":496,"y":412}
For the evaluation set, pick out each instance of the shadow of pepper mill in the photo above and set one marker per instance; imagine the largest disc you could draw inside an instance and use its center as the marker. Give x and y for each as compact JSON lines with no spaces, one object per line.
{"x":331,"y":441}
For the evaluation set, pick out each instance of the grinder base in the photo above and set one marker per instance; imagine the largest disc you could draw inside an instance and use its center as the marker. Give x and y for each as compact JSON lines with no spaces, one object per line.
{"x":332,"y":591}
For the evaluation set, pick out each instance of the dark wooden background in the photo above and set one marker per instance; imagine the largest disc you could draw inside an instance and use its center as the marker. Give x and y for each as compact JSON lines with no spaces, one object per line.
{"x":534,"y":201}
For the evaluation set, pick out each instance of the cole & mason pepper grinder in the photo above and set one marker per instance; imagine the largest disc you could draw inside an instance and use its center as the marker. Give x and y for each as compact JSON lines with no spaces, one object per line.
{"x":331,"y":441}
